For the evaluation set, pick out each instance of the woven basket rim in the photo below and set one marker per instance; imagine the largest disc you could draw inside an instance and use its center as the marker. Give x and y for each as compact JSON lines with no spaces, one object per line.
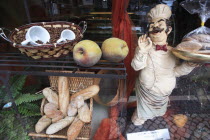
{"x":48,"y":46}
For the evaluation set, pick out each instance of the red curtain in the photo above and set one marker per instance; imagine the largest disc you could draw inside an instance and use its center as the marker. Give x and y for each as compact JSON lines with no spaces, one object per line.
{"x":122,"y":28}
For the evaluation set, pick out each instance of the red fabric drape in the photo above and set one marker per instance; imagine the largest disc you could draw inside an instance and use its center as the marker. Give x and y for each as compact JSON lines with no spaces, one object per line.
{"x":122,"y":28}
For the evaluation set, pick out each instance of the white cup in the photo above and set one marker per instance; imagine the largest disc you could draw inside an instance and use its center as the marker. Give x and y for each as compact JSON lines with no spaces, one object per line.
{"x":34,"y":34}
{"x":66,"y":35}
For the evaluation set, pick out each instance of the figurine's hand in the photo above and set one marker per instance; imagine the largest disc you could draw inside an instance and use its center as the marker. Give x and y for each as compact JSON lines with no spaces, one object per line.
{"x":144,"y":43}
{"x":194,"y":64}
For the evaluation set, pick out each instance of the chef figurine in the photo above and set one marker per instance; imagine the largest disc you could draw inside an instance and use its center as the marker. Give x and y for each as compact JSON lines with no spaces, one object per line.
{"x":158,"y":67}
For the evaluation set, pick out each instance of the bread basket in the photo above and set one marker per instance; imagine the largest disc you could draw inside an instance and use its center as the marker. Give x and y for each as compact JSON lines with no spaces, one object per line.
{"x":75,"y":84}
{"x":50,"y":50}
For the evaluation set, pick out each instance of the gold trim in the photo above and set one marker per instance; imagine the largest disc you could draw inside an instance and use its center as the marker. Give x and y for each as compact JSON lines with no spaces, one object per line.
{"x":191,"y":56}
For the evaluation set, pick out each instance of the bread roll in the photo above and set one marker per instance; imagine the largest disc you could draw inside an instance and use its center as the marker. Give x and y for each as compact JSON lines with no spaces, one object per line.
{"x":204,"y":38}
{"x":51,"y":96}
{"x":72,"y":111}
{"x":51,"y":111}
{"x":55,"y":127}
{"x":78,"y":101}
{"x":84,"y":113}
{"x":42,"y":123}
{"x":87,"y":93}
{"x":57,"y":116}
{"x":190,"y":46}
{"x":74,"y":129}
{"x":63,"y":94}
{"x":180,"y":120}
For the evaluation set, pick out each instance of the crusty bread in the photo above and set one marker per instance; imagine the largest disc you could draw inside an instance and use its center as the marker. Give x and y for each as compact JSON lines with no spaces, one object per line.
{"x":57,"y":116}
{"x":87,"y":93}
{"x":50,"y":95}
{"x":180,"y":120}
{"x":42,"y":123}
{"x":51,"y":111}
{"x":77,"y":101}
{"x":63,"y":93}
{"x":74,"y":129}
{"x":190,"y":46}
{"x":204,"y":38}
{"x":84,"y":113}
{"x":72,"y":111}
{"x":55,"y":127}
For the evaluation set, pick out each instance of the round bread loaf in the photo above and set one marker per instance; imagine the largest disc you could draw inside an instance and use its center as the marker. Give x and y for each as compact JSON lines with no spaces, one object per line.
{"x":204,"y":38}
{"x":190,"y":46}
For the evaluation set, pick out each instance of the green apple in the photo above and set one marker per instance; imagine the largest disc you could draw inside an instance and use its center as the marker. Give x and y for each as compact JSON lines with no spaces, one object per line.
{"x":114,"y":49}
{"x":86,"y":53}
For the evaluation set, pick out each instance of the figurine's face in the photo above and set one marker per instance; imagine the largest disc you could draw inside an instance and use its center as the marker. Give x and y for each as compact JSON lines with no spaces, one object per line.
{"x":157,"y":30}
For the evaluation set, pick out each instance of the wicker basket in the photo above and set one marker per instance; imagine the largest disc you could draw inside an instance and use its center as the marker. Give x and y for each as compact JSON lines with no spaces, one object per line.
{"x":75,"y":84}
{"x":46,"y":51}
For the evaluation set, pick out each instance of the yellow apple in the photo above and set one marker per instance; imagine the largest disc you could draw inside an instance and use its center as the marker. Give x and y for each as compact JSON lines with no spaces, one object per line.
{"x":114,"y":49}
{"x":86,"y":53}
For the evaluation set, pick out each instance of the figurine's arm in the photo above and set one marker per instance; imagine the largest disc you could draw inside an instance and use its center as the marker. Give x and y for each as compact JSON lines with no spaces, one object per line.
{"x":141,"y":54}
{"x":185,"y":68}
{"x":139,"y":60}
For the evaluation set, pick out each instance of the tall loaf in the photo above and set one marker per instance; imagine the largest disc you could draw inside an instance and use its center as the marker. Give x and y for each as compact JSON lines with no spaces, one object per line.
{"x":63,"y":94}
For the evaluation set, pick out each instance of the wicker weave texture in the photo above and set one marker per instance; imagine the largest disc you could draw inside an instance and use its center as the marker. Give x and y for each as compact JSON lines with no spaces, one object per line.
{"x":76,"y":84}
{"x":51,"y":49}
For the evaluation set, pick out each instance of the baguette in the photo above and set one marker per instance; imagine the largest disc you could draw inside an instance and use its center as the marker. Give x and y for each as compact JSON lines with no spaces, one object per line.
{"x":74,"y":129}
{"x":78,"y":101}
{"x":42,"y":123}
{"x":63,"y":93}
{"x":87,"y":93}
{"x":72,"y":111}
{"x":84,"y":113}
{"x":50,"y":95}
{"x":55,"y":127}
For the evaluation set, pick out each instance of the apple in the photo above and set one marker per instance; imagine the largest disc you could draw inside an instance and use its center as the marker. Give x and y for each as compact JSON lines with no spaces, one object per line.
{"x":86,"y":53}
{"x":114,"y":49}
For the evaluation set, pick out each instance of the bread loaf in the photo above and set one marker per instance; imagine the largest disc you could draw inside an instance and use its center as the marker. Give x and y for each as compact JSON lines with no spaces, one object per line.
{"x":78,"y":101}
{"x":74,"y":129}
{"x":180,"y":120}
{"x":72,"y":111}
{"x":51,"y":111}
{"x":57,"y":116}
{"x":50,"y":95}
{"x":190,"y":46}
{"x":87,"y":93}
{"x":55,"y":127}
{"x":63,"y":94}
{"x":42,"y":123}
{"x":84,"y":113}
{"x":205,"y":38}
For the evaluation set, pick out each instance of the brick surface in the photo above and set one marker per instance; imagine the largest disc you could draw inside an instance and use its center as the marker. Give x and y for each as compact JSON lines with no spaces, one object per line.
{"x":197,"y":127}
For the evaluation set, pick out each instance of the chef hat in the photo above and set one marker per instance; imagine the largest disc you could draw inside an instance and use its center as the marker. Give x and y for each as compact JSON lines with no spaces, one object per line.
{"x":159,"y":11}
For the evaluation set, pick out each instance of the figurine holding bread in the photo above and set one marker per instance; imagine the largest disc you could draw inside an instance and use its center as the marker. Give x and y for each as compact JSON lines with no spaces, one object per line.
{"x":157,"y":67}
